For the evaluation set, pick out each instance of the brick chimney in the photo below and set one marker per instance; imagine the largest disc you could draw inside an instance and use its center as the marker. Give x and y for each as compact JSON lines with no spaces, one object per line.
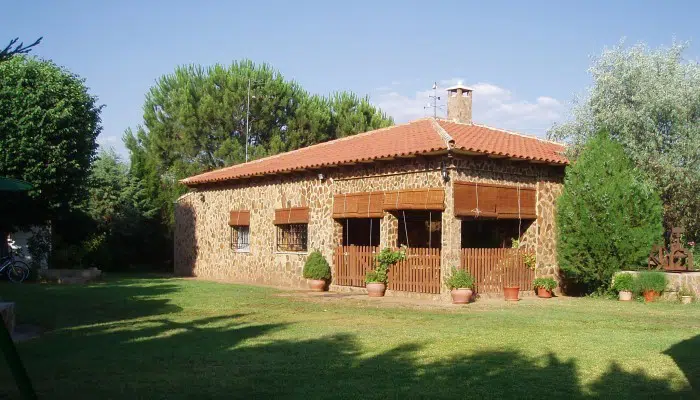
{"x":459,"y":104}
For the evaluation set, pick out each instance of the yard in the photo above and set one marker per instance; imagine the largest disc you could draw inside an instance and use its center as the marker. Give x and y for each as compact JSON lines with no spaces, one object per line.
{"x":156,"y":337}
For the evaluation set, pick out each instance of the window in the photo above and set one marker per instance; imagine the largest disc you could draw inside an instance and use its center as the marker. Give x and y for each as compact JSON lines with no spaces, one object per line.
{"x":292,"y":237}
{"x":240,"y":238}
{"x":361,"y":231}
{"x":420,"y":229}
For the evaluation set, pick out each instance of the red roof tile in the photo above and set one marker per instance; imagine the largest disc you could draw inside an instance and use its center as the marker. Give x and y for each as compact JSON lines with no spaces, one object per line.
{"x":483,"y":139}
{"x":418,"y":137}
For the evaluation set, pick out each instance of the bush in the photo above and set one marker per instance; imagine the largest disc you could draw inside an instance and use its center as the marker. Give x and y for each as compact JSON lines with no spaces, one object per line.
{"x":460,"y":279}
{"x":646,"y":281}
{"x":623,"y":282}
{"x":317,"y":267}
{"x":545,"y":283}
{"x":385,"y":259}
{"x":608,"y":215}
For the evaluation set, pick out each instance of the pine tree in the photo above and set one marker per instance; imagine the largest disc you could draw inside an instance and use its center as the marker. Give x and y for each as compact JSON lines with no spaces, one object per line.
{"x":608,"y":216}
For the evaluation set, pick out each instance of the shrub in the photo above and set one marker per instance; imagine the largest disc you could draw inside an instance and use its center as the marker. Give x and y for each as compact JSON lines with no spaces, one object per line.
{"x":545,"y":283}
{"x":460,"y":279}
{"x":655,"y":281}
{"x":385,"y":259}
{"x":317,"y":267}
{"x":623,"y":282}
{"x":608,"y":215}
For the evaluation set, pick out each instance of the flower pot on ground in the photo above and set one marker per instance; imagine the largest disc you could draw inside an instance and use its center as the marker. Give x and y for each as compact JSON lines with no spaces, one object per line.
{"x":376,"y":279}
{"x":686,"y":295}
{"x":317,"y":271}
{"x":376,"y":289}
{"x":544,"y":287}
{"x":624,"y":284}
{"x":511,"y":293}
{"x":460,"y":284}
{"x":650,"y":284}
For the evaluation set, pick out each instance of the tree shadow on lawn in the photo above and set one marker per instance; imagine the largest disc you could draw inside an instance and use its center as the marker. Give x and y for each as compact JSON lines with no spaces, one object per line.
{"x":54,"y":306}
{"x":686,"y":354}
{"x":227,"y":357}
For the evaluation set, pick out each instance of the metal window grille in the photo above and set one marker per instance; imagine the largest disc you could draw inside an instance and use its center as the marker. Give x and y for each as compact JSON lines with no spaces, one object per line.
{"x":240,"y":238}
{"x":292,"y":237}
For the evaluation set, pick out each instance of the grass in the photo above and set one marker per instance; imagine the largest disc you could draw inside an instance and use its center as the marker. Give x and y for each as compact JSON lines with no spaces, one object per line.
{"x":134,"y":337}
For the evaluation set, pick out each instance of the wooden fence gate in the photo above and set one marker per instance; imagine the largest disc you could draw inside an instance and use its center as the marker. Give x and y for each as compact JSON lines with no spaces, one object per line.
{"x":419,"y":272}
{"x":494,"y":268}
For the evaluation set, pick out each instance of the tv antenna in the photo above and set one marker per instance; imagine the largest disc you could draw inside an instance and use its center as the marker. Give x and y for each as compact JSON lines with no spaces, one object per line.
{"x":434,"y":101}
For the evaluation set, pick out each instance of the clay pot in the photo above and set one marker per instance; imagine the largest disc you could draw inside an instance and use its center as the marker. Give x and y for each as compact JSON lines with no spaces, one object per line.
{"x":511,"y":293}
{"x":376,"y":289}
{"x":544,"y":293}
{"x":650,"y":296}
{"x":317,"y":285}
{"x":686,"y":299}
{"x":461,"y":295}
{"x":625,"y":295}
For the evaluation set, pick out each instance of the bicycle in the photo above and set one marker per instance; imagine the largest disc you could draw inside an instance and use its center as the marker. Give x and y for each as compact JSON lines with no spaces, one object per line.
{"x":17,"y":271}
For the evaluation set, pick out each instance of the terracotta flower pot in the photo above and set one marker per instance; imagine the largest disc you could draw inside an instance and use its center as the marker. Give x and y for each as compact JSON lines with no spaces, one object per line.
{"x":544,"y":293}
{"x":376,"y":289}
{"x":650,"y":296}
{"x":625,"y":295}
{"x":461,"y":295}
{"x":511,"y":293}
{"x":318,"y":285}
{"x":686,"y":299}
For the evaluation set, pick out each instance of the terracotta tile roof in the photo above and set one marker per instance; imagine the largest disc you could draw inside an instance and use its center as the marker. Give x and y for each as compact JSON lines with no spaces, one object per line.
{"x":487,"y":140}
{"x":417,"y":137}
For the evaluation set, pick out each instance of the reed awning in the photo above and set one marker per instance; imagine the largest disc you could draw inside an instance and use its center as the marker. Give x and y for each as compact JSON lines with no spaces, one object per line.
{"x":483,"y":200}
{"x":415,"y":199}
{"x":293,"y":215}
{"x":358,"y":205}
{"x":239,"y":218}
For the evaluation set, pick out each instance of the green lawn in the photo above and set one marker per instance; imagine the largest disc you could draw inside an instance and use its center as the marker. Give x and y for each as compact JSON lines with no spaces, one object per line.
{"x":171,"y":338}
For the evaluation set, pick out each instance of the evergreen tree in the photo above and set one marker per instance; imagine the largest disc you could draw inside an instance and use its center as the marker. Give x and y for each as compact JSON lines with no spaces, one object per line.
{"x":608,"y":216}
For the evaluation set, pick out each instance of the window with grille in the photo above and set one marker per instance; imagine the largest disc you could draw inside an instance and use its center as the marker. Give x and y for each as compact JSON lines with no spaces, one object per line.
{"x":292,"y":237}
{"x":240,"y":238}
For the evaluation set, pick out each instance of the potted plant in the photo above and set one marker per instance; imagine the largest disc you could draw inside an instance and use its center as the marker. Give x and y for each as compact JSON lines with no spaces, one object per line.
{"x":377,"y":278}
{"x":685,"y":295}
{"x":624,"y":284}
{"x":650,"y":284}
{"x":544,"y":287}
{"x":460,"y":283}
{"x":317,"y":271}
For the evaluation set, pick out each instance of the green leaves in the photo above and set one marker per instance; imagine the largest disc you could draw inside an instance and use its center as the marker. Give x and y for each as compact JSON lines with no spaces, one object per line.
{"x":647,"y":99}
{"x":608,"y":216}
{"x":48,"y":126}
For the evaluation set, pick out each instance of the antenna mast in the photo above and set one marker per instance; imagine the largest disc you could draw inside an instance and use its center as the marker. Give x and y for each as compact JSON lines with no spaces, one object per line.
{"x":434,"y":101}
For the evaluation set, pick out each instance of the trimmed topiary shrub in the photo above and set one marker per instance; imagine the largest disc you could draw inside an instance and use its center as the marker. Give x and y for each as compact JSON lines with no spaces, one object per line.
{"x":317,"y":267}
{"x":608,"y":215}
{"x":623,"y":282}
{"x":646,"y":281}
{"x":460,"y":279}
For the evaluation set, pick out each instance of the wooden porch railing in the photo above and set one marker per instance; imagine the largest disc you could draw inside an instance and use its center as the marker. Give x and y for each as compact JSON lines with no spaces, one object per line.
{"x":419,"y":272}
{"x":494,"y":268}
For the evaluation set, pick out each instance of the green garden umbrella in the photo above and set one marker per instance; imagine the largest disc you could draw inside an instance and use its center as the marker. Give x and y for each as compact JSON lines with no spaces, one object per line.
{"x":14,"y":185}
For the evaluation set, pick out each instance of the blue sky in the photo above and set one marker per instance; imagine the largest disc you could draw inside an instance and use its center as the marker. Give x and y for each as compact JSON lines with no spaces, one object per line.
{"x":526,"y":60}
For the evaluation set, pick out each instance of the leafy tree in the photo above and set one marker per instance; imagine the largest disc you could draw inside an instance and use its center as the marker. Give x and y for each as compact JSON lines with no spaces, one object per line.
{"x":649,"y":102}
{"x":608,"y":216}
{"x":48,"y":126}
{"x":195,"y":120}
{"x":9,"y":50}
{"x":124,"y":219}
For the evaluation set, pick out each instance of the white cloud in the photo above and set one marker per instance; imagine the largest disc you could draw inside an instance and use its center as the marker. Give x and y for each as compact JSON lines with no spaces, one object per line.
{"x":492,"y":105}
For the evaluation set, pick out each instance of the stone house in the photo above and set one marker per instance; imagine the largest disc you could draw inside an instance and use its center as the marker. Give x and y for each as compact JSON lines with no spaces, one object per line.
{"x":454,"y":192}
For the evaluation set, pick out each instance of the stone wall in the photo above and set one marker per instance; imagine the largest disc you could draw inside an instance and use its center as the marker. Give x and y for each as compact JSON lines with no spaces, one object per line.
{"x":202,"y":232}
